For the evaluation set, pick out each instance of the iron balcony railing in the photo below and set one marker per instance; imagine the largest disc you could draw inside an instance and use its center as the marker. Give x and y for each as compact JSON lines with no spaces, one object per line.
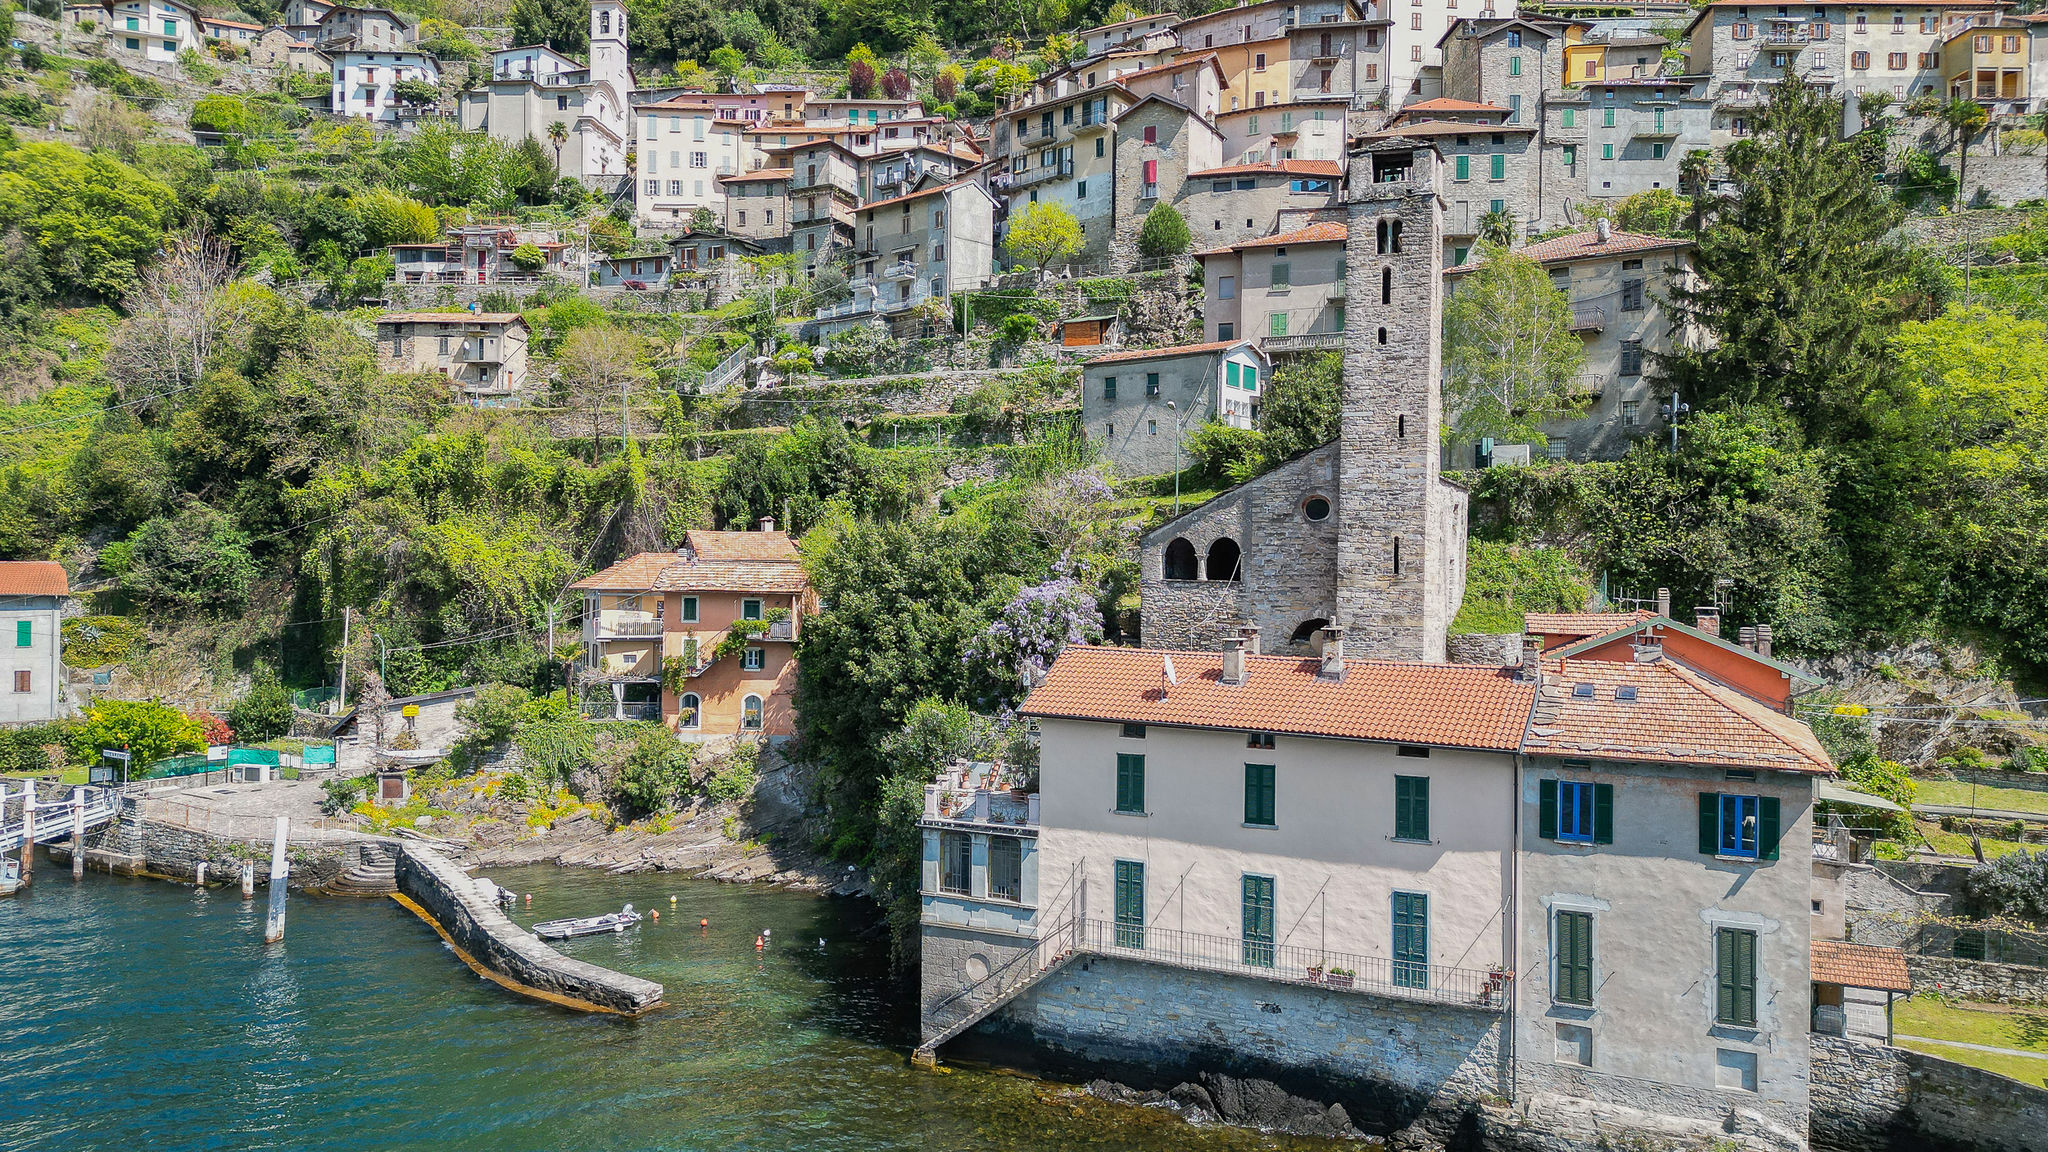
{"x":631,"y":710}
{"x":1588,"y":318}
{"x":1484,"y":989}
{"x":616,"y":629}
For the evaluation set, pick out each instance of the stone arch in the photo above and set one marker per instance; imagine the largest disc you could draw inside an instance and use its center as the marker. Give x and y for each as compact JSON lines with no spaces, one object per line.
{"x":1225,"y":557}
{"x":1306,"y":631}
{"x":1181,"y":561}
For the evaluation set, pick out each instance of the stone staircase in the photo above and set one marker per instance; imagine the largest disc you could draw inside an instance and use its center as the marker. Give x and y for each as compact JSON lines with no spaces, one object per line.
{"x":371,"y":871}
{"x":975,"y":1003}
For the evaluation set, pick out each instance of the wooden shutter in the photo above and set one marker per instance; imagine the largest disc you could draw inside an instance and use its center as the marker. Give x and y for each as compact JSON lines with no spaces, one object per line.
{"x":24,"y":633}
{"x":23,"y":679}
{"x":1546,"y":810}
{"x":1575,"y":957}
{"x":1735,"y":976}
{"x":1258,"y":794}
{"x":1603,"y":813}
{"x":1710,"y":823}
{"x":1767,"y":828}
{"x":1411,"y":807}
{"x":1130,"y":782}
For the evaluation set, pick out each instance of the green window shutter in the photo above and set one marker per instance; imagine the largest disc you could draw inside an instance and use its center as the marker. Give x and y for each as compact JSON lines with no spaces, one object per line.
{"x":1603,"y":813}
{"x":1258,"y":794}
{"x":1258,"y":921}
{"x":1278,"y":324}
{"x":1130,"y":904}
{"x":1767,"y":828}
{"x":1571,"y":118}
{"x":1130,"y":782}
{"x":1607,"y":151}
{"x":1411,"y":807}
{"x":1230,"y":374}
{"x":1546,"y":811}
{"x":1575,"y":957}
{"x":24,"y":634}
{"x":1499,"y":162}
{"x":1607,"y":118}
{"x":1735,"y":976}
{"x":1710,"y":823}
{"x":1724,"y":975}
{"x":1464,"y":167}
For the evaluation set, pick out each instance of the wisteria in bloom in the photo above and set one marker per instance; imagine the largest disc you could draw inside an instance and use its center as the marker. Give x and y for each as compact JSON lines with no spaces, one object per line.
{"x":1034,"y":626}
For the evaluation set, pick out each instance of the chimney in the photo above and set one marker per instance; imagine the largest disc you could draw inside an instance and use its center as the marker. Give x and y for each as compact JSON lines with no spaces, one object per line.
{"x":1648,"y":648}
{"x":1707,"y":618}
{"x":1531,"y":670}
{"x":1603,"y":229}
{"x":1233,"y":661}
{"x":1746,"y":636}
{"x":1250,"y":632}
{"x":765,"y":524}
{"x":1763,"y":639}
{"x":1333,"y":653}
{"x":1663,"y":601}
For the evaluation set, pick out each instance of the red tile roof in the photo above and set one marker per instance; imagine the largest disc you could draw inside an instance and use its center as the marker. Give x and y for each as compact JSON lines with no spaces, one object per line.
{"x":1581,"y":623}
{"x":709,"y":562}
{"x":1175,"y":66}
{"x":741,"y":546}
{"x":759,"y":174}
{"x":1859,"y":966}
{"x":1325,"y":232}
{"x":933,"y":190}
{"x":33,"y":578}
{"x":450,"y":318}
{"x":1587,"y":245}
{"x":633,"y":574}
{"x":1446,"y":104}
{"x":1279,"y":168}
{"x":1676,"y":717}
{"x":1445,"y":128}
{"x":1447,"y":705}
{"x":1168,"y":353}
{"x":724,"y":576}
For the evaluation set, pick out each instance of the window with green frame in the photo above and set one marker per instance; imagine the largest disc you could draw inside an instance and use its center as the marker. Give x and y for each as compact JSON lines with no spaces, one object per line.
{"x":1571,"y":118}
{"x":750,"y":609}
{"x":24,"y":634}
{"x":1130,"y":782}
{"x":1258,"y":921}
{"x":1607,"y":151}
{"x":689,"y":609}
{"x":1571,"y":155}
{"x":1498,"y":166}
{"x":1230,"y":371}
{"x":1572,"y":939}
{"x":1130,"y":904}
{"x":1735,"y":977}
{"x":1411,"y":807}
{"x":1607,"y":117}
{"x":1411,"y":940}
{"x":1463,"y":166}
{"x":1277,"y":324}
{"x":1514,"y":65}
{"x":1258,"y":794}
{"x":1109,"y":387}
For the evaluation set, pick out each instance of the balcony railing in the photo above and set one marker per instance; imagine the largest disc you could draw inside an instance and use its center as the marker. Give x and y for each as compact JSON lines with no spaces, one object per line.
{"x":1304,"y":342}
{"x":1788,"y":38}
{"x":853,"y":307}
{"x":1739,"y":98}
{"x":631,"y":710}
{"x":781,"y":630}
{"x":858,"y":283}
{"x":1483,"y":989}
{"x":902,"y":271}
{"x":1588,"y":318}
{"x":627,"y":629}
{"x":979,"y":808}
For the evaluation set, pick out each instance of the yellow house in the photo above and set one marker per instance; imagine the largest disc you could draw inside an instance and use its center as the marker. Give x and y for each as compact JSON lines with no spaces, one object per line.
{"x":1988,"y":64}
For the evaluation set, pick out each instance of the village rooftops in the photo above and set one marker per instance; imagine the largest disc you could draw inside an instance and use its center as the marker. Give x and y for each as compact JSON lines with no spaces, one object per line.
{"x":1445,"y":128}
{"x":1322,"y":232}
{"x":33,"y":578}
{"x":759,"y":174}
{"x":1658,"y":711}
{"x":1446,"y":705}
{"x":917,"y":195}
{"x":450,"y":317}
{"x":1589,"y":246}
{"x":1174,"y":352}
{"x":1325,"y":168}
{"x":1580,"y":625}
{"x":1446,"y":104}
{"x":1859,"y":966}
{"x":709,"y":562}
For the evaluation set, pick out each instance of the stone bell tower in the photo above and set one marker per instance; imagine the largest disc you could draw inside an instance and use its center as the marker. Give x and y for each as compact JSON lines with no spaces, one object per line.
{"x":1401,"y":532}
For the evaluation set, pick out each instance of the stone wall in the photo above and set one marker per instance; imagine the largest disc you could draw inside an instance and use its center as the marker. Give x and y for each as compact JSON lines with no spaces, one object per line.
{"x":131,"y":845}
{"x":507,"y":953}
{"x":2030,"y":781}
{"x":1392,"y":1064}
{"x":1979,"y":980}
{"x":1871,"y":1098}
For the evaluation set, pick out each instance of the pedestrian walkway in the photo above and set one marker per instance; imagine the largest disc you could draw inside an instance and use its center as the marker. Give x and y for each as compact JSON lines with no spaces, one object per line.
{"x":1978,"y":1047}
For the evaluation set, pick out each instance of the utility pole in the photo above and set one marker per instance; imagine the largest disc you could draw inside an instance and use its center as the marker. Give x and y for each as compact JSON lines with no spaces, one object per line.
{"x":341,"y":697}
{"x":625,"y":420}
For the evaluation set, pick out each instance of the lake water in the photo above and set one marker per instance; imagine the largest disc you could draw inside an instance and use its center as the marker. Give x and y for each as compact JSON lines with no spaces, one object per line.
{"x":141,"y":1015}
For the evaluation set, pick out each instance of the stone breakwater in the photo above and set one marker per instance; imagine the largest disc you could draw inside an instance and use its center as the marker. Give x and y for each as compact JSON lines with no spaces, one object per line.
{"x":488,"y":941}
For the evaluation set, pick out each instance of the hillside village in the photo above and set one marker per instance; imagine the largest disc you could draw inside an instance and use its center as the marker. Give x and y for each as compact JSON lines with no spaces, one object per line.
{"x":845,"y":464}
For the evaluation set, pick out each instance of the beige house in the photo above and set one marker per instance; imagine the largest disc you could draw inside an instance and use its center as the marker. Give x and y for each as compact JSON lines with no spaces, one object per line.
{"x":483,"y":353}
{"x":683,"y":147}
{"x":757,"y":203}
{"x":533,"y":88}
{"x":1284,"y":291}
{"x":918,"y":249}
{"x":1617,"y":282}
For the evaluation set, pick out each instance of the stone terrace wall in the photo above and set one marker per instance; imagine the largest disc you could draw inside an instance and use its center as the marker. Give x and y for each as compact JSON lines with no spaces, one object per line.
{"x":476,"y":926}
{"x":1870,"y":1098}
{"x":1979,"y":980}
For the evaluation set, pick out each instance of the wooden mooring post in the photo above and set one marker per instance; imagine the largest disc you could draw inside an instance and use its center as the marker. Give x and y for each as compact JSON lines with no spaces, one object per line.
{"x":273,"y":928}
{"x":78,"y":833}
{"x":28,"y":832}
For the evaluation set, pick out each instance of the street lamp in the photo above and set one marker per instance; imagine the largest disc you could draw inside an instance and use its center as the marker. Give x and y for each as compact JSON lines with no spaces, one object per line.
{"x":1178,"y":417}
{"x":1671,"y":413}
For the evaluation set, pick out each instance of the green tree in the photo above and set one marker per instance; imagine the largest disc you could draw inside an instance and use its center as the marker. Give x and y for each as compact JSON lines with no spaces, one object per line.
{"x":1657,"y":212}
{"x":1964,"y":119}
{"x":92,"y":219}
{"x":1302,"y":407}
{"x":264,"y":712}
{"x":560,"y":24}
{"x":195,"y":560}
{"x":935,"y":735}
{"x":729,"y":65}
{"x":1042,"y":234}
{"x":1497,"y":227}
{"x":1510,"y":355}
{"x":388,"y":217}
{"x":529,"y":258}
{"x":558,"y":135}
{"x":656,"y":771}
{"x":416,"y":92}
{"x":1165,"y":232}
{"x":148,"y":730}
{"x":1797,"y":285}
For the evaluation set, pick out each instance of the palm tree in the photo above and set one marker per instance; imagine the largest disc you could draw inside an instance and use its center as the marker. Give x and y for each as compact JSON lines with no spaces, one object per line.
{"x":1965,"y":118}
{"x":558,"y":134}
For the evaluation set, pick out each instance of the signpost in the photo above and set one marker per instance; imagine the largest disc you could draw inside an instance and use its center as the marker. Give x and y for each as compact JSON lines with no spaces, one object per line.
{"x":124,"y":756}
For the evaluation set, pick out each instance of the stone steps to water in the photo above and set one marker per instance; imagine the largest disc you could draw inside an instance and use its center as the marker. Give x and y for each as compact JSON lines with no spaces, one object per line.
{"x":372,"y":871}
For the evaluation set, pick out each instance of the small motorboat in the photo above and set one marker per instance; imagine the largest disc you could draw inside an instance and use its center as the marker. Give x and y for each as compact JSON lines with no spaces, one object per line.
{"x":618,"y":921}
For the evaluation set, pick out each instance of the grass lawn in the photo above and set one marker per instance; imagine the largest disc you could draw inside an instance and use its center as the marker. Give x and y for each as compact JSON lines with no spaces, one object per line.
{"x":1993,"y":1025}
{"x":1948,"y":843}
{"x":68,"y":776}
{"x":1956,"y":793}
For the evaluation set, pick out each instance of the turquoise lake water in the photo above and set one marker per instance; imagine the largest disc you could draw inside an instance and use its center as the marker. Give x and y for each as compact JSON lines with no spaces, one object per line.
{"x":142,"y":1015}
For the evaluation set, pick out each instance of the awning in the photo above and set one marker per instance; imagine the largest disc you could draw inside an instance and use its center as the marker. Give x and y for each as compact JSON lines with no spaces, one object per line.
{"x":1860,"y":966}
{"x":1836,"y":793}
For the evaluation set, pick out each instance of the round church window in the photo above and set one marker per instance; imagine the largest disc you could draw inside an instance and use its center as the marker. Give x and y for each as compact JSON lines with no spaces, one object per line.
{"x":1316,"y":508}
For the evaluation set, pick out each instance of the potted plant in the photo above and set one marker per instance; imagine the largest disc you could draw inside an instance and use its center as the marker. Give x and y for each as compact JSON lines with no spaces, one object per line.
{"x":1341,"y":977}
{"x":1315,"y":973}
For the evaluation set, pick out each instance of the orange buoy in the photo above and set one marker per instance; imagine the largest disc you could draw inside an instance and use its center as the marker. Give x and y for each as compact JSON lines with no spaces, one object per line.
{"x":656,"y":913}
{"x":703,"y":923}
{"x":529,"y":897}
{"x":758,"y":943}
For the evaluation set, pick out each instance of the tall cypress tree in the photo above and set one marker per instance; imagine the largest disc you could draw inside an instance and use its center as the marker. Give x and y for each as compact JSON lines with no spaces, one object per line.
{"x":1797,"y":288}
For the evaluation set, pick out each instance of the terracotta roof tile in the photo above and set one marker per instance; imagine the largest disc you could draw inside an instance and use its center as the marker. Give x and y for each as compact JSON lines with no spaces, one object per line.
{"x":1859,"y":966}
{"x":1446,"y":104}
{"x":1167,"y":353}
{"x":1446,"y":705}
{"x":723,"y":562}
{"x":450,"y":318}
{"x":1583,"y":245}
{"x":1280,"y":168}
{"x":731,"y":576}
{"x":931,"y":191}
{"x":33,"y":578}
{"x":633,"y":574}
{"x":1676,"y":716}
{"x":742,"y":546}
{"x":1582,"y":623}
{"x":1324,"y":232}
{"x":1445,"y":128}
{"x":759,"y":174}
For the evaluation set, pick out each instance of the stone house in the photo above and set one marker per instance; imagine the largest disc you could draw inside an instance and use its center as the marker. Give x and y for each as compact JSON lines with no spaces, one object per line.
{"x":924,"y":246}
{"x":158,"y":29}
{"x":1625,"y":136}
{"x":1616,"y":55}
{"x":1364,"y":533}
{"x":1511,"y":63}
{"x":234,"y":32}
{"x":345,"y":29}
{"x":365,"y":83}
{"x":1617,"y":283}
{"x":1158,"y":142}
{"x":304,"y":13}
{"x":33,"y":595}
{"x":1284,"y":291}
{"x":1578,"y":882}
{"x":1237,"y":202}
{"x":1057,"y":150}
{"x":534,"y":87}
{"x":1299,"y":42}
{"x":1311,"y":129}
{"x":1144,"y":32}
{"x":824,"y":191}
{"x":482,"y":353}
{"x":647,"y":271}
{"x":702,"y":638}
{"x":1745,"y":48}
{"x":1141,"y":404}
{"x":757,"y":204}
{"x":282,"y":48}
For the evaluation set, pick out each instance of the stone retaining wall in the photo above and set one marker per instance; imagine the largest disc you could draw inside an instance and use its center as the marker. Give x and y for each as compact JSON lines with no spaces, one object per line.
{"x":501,"y":949}
{"x":1870,"y":1098}
{"x":1980,"y":980}
{"x":2030,"y":781}
{"x":141,"y":846}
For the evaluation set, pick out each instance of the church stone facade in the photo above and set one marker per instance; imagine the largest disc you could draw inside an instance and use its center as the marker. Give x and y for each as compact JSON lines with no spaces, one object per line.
{"x":1363,"y":533}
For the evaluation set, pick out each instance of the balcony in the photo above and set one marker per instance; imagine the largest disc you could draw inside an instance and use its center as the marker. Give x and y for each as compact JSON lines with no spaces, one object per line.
{"x":1090,"y":125}
{"x":1588,"y":385}
{"x":1793,"y":38}
{"x":862,"y":283}
{"x":642,"y":710}
{"x":904,"y":270}
{"x":854,"y":307}
{"x":888,"y":179}
{"x":979,"y":810}
{"x":627,"y":628}
{"x":783,"y":631}
{"x":1481,"y":989}
{"x":1588,"y":318}
{"x":1656,"y":130}
{"x":1303,"y":342}
{"x":476,"y":356}
{"x":1337,"y":290}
